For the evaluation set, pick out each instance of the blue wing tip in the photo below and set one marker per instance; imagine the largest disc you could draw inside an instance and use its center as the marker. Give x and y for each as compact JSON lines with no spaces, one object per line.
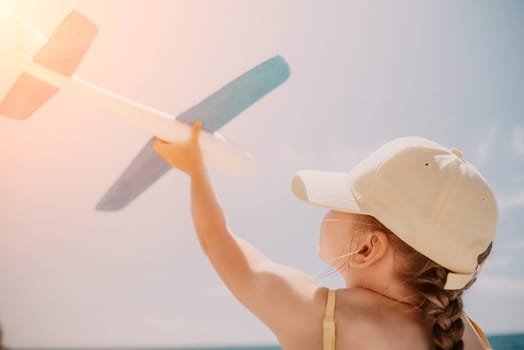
{"x":279,"y":60}
{"x":104,"y":206}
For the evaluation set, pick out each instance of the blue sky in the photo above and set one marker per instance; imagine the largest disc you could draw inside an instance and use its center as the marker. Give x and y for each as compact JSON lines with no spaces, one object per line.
{"x":362,"y":73}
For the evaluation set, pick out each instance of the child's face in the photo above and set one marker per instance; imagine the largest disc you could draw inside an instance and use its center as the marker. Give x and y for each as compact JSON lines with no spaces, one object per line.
{"x":339,"y":235}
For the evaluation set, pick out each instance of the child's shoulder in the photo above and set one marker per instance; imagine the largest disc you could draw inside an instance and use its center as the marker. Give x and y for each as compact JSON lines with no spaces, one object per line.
{"x":386,"y":322}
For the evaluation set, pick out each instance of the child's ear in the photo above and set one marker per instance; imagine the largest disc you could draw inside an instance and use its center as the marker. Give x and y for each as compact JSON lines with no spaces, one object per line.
{"x":372,"y":249}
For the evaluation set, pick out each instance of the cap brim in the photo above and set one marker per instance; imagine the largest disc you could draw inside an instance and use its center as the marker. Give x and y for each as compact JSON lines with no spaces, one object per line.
{"x":326,"y":189}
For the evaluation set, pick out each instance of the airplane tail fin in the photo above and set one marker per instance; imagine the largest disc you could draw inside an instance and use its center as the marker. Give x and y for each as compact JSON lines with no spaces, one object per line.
{"x":62,"y":53}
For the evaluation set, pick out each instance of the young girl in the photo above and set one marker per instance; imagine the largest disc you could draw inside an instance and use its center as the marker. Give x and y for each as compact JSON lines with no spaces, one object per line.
{"x":408,"y":228}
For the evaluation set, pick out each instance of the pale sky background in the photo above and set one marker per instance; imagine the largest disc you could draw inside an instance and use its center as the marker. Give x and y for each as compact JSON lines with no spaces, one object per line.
{"x":362,"y":73}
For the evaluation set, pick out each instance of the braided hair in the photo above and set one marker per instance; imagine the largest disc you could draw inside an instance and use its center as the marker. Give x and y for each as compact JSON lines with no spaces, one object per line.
{"x":443,"y":309}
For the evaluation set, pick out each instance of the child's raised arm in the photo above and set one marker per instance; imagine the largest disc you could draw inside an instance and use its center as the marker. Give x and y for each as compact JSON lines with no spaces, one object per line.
{"x":275,"y":293}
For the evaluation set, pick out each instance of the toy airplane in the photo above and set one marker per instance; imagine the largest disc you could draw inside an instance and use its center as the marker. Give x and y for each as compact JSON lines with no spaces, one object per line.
{"x":52,"y":66}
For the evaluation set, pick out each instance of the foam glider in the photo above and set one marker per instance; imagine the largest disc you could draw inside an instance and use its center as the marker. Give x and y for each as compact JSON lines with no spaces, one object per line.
{"x":51,"y":68}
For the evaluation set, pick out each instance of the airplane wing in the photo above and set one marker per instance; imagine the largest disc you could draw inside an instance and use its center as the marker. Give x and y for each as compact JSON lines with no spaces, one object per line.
{"x":214,"y":112}
{"x":62,"y":53}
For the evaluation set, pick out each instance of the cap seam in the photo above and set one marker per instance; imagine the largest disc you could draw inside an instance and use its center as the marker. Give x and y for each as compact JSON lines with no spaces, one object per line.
{"x":445,"y":203}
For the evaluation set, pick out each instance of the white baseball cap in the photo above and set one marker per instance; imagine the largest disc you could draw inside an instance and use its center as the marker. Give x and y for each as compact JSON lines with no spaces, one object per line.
{"x":427,"y":194}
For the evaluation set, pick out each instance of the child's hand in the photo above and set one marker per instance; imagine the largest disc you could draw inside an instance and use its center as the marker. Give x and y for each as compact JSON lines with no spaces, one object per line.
{"x":185,"y":156}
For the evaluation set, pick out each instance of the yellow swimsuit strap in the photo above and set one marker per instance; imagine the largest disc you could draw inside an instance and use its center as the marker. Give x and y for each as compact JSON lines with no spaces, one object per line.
{"x":329,"y":322}
{"x":481,"y":334}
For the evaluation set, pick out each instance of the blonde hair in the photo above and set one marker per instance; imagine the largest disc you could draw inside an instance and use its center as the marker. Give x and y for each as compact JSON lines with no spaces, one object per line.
{"x":443,"y":309}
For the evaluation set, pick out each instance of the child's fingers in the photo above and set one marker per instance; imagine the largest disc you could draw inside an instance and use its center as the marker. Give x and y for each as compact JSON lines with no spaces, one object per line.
{"x":196,"y":130}
{"x":160,"y":141}
{"x":159,"y":145}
